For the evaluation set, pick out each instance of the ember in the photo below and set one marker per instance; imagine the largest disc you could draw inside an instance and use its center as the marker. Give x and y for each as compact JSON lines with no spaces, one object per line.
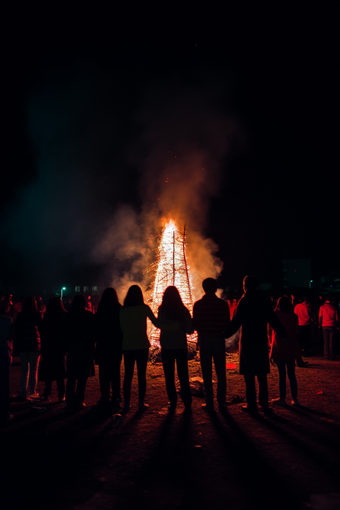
{"x":171,"y":268}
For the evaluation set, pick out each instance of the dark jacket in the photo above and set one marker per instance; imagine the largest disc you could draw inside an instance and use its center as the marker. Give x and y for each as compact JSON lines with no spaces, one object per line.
{"x":53,"y":348}
{"x":27,"y":332}
{"x":252,"y":316}
{"x":109,"y":336}
{"x":80,"y":339}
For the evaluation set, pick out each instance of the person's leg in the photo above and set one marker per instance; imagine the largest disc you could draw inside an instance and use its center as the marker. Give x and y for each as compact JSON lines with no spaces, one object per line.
{"x":168,"y":360}
{"x":250,"y":392}
{"x":183,"y":375}
{"x":326,"y":346}
{"x":70,"y":391}
{"x":24,"y":373}
{"x":129,"y":363}
{"x":61,"y":387}
{"x":263,"y":390}
{"x":281,"y":367}
{"x":104,"y":381}
{"x":34,"y":358}
{"x":220,"y":368}
{"x":80,"y":391}
{"x":142,"y":361}
{"x":332,"y":343}
{"x":206,"y":366}
{"x":115,"y":379}
{"x":292,"y":379}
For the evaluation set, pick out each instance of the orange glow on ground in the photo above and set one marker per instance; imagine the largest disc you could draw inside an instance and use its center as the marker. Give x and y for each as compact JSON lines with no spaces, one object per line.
{"x":171,"y":268}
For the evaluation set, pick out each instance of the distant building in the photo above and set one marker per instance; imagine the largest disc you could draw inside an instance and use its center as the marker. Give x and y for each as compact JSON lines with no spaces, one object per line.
{"x":297,"y":273}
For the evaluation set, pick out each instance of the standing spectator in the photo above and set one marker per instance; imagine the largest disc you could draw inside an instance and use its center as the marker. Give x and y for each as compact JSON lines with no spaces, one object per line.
{"x":233,"y":307}
{"x":27,"y":338}
{"x":253,"y":314}
{"x":79,"y":328}
{"x":211,"y":319}
{"x":53,"y":348}
{"x":303,"y":312}
{"x":328,"y":322}
{"x":284,"y":351}
{"x":109,"y":349}
{"x":174,"y":346}
{"x":6,"y":344}
{"x":41,"y":306}
{"x":136,"y":344}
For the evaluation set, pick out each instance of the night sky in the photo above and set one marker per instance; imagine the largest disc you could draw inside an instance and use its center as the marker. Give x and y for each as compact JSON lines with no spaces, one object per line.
{"x":229,"y":121}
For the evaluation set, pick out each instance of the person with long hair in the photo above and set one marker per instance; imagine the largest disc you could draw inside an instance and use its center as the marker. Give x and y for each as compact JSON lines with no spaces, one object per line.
{"x":53,"y":348}
{"x":28,"y":342}
{"x":109,"y":349}
{"x":79,"y":329}
{"x":284,"y":351}
{"x":136,"y":344}
{"x":174,"y":346}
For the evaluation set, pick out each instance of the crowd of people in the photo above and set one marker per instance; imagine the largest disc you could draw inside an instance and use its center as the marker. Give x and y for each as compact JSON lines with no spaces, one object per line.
{"x":54,"y":344}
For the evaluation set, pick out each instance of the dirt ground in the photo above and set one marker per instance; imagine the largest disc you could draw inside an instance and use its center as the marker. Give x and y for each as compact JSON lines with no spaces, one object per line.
{"x":81,"y":460}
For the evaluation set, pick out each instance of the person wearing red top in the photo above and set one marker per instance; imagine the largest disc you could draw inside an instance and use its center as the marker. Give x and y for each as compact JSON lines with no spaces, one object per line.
{"x":284,"y":351}
{"x":303,"y":312}
{"x":211,"y":317}
{"x":328,"y":322}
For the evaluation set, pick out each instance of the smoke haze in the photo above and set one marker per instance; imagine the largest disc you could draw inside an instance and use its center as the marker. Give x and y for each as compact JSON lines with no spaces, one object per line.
{"x":109,"y":172}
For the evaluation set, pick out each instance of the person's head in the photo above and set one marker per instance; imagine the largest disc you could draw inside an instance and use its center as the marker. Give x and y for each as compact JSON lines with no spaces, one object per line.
{"x":109,"y":300}
{"x":78,"y":303}
{"x":29,"y":306}
{"x":249,"y":283}
{"x":172,"y":304}
{"x":134,"y":296}
{"x":209,"y":285}
{"x":54,"y":307}
{"x":284,"y":305}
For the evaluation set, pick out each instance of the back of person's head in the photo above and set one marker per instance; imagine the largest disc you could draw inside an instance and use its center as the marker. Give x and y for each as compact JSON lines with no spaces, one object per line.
{"x":209,"y":285}
{"x":29,"y":306}
{"x":134,"y":296}
{"x":284,"y":305}
{"x":172,"y":304}
{"x":78,"y":303}
{"x":250,"y":283}
{"x":305,"y":299}
{"x":109,"y":300}
{"x":55,"y":308}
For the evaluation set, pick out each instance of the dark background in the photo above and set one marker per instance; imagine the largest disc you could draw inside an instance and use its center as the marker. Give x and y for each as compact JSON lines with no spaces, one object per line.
{"x":92,"y":100}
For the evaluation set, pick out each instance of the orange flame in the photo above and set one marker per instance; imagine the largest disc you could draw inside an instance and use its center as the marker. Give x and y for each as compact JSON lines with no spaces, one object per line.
{"x":171,"y":269}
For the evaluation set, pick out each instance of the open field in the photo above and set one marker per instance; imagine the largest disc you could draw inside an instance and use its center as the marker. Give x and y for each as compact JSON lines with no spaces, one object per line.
{"x":82,"y":460}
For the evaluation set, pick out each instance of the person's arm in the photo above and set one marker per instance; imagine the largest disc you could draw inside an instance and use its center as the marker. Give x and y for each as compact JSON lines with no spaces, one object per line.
{"x":174,"y":326}
{"x":189,"y":324}
{"x":275,"y":323}
{"x":236,"y":322}
{"x":320,"y":317}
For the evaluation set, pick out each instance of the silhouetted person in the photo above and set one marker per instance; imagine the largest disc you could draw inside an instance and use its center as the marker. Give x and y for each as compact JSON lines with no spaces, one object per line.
{"x":53,"y":348}
{"x":6,"y":345}
{"x":328,"y":322}
{"x":109,"y":349}
{"x":174,"y":346}
{"x":28,"y":343}
{"x":284,"y":351}
{"x":303,"y":312}
{"x":211,"y":318}
{"x":136,"y":344}
{"x":41,"y":306}
{"x":253,"y":314}
{"x":79,"y":329}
